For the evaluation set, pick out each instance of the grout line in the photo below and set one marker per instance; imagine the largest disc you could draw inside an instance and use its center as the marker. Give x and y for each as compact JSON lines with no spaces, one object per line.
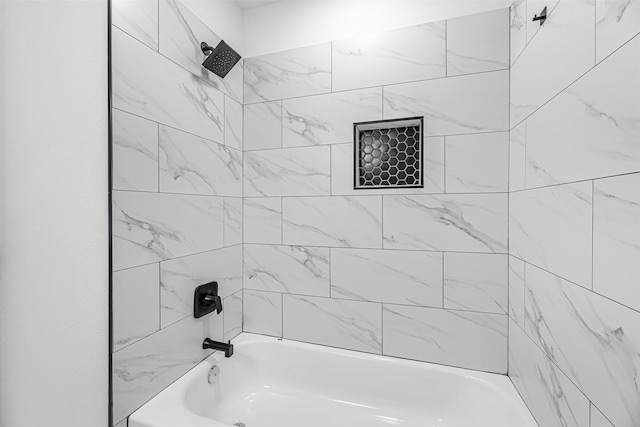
{"x":173,"y":127}
{"x":178,"y":257}
{"x":429,"y":307}
{"x":593,"y":208}
{"x":578,"y":285}
{"x":434,"y":136}
{"x":262,"y":101}
{"x":598,"y":178}
{"x":158,"y":161}
{"x":574,"y":81}
{"x":446,"y":48}
{"x":443,"y":280}
{"x":197,"y":76}
{"x":183,"y":194}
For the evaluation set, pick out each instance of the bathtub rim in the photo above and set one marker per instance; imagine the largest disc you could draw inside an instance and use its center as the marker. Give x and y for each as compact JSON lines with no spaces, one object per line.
{"x":153,"y":413}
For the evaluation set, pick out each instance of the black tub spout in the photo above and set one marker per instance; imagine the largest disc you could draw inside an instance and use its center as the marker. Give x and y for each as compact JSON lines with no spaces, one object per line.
{"x":216,"y":345}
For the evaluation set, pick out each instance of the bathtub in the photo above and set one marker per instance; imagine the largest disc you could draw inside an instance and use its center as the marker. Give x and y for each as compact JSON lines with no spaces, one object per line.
{"x":280,"y":383}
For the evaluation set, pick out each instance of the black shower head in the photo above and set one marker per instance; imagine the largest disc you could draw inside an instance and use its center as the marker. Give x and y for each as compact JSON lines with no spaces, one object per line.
{"x":221,"y":59}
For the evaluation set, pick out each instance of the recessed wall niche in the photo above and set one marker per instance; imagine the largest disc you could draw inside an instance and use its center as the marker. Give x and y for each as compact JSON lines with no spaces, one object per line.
{"x":388,"y":153}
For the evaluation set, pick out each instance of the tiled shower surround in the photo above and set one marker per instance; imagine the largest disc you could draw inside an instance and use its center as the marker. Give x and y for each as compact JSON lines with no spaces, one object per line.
{"x":520,"y":254}
{"x":177,"y":199}
{"x":417,"y":273}
{"x":574,"y":226}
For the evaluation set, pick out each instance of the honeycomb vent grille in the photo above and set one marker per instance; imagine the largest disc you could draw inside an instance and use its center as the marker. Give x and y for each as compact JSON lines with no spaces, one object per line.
{"x":388,"y":154}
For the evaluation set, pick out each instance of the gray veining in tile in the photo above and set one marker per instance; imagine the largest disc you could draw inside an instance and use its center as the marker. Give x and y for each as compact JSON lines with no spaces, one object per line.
{"x":298,"y":72}
{"x":138,"y":18}
{"x":151,"y":86}
{"x":456,"y":105}
{"x":406,"y":54}
{"x":456,"y":338}
{"x":151,"y":227}
{"x":193,"y":165}
{"x":594,"y":340}
{"x":400,"y":277}
{"x":289,"y":269}
{"x":179,"y":277}
{"x":302,"y":171}
{"x":478,"y":43}
{"x":135,"y":152}
{"x":181,"y":33}
{"x":333,"y":221}
{"x":468,"y":222}
{"x":353,"y":325}
{"x":552,"y":398}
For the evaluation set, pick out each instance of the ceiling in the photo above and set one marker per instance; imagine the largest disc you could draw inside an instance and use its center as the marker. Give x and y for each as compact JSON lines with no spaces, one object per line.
{"x":251,"y":4}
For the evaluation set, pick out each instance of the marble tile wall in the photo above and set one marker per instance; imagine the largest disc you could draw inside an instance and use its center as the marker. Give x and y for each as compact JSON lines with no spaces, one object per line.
{"x":412,"y":273}
{"x":574,"y":212}
{"x":177,"y":197}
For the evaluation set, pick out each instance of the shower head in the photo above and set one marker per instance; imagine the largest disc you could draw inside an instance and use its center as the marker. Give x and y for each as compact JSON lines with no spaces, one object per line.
{"x":221,"y":59}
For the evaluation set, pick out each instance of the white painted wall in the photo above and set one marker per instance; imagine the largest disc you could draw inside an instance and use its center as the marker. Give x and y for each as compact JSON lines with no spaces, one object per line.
{"x":289,"y":24}
{"x":53,"y":218}
{"x":224,"y":17}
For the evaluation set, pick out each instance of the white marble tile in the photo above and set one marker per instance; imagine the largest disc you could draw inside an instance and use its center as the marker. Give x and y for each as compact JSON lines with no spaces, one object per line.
{"x":150,"y":85}
{"x":534,"y":8}
{"x":465,"y":104}
{"x":343,"y":165}
{"x":616,"y":239}
{"x":517,"y":156}
{"x":232,"y":221}
{"x":193,"y":165}
{"x":477,"y":163}
{"x":476,"y":282}
{"x":263,"y":220}
{"x":406,"y":54}
{"x":599,"y":420}
{"x":135,"y":152}
{"x":333,"y":221}
{"x":288,"y":269}
{"x":591,"y":129}
{"x":181,"y":276}
{"x":181,"y":33}
{"x":233,"y":123}
{"x":594,"y":340}
{"x":151,"y":227}
{"x":353,"y":325}
{"x":456,"y":338}
{"x":232,"y":311}
{"x":329,"y":118}
{"x":617,"y":21}
{"x":516,"y":290}
{"x":263,"y":125}
{"x":468,"y":223}
{"x":478,"y":43}
{"x":561,"y":52}
{"x":550,"y":396}
{"x":262,"y":312}
{"x":398,"y":277}
{"x":302,"y":171}
{"x":297,"y":72}
{"x":518,"y":26}
{"x":138,"y":18}
{"x":551,"y":228}
{"x":135,"y":304}
{"x":291,"y":269}
{"x":143,"y":369}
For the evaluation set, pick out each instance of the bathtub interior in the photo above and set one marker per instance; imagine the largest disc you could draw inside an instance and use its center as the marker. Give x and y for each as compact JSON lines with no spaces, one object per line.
{"x":270,"y":382}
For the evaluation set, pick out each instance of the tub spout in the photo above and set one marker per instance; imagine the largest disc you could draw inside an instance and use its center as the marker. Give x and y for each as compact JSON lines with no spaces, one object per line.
{"x":216,"y":345}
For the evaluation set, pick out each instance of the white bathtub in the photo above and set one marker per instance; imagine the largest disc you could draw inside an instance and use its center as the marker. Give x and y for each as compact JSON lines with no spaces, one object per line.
{"x":280,"y":383}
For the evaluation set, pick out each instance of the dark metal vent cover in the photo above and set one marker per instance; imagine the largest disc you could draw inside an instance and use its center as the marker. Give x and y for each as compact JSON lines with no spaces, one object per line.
{"x":388,"y":153}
